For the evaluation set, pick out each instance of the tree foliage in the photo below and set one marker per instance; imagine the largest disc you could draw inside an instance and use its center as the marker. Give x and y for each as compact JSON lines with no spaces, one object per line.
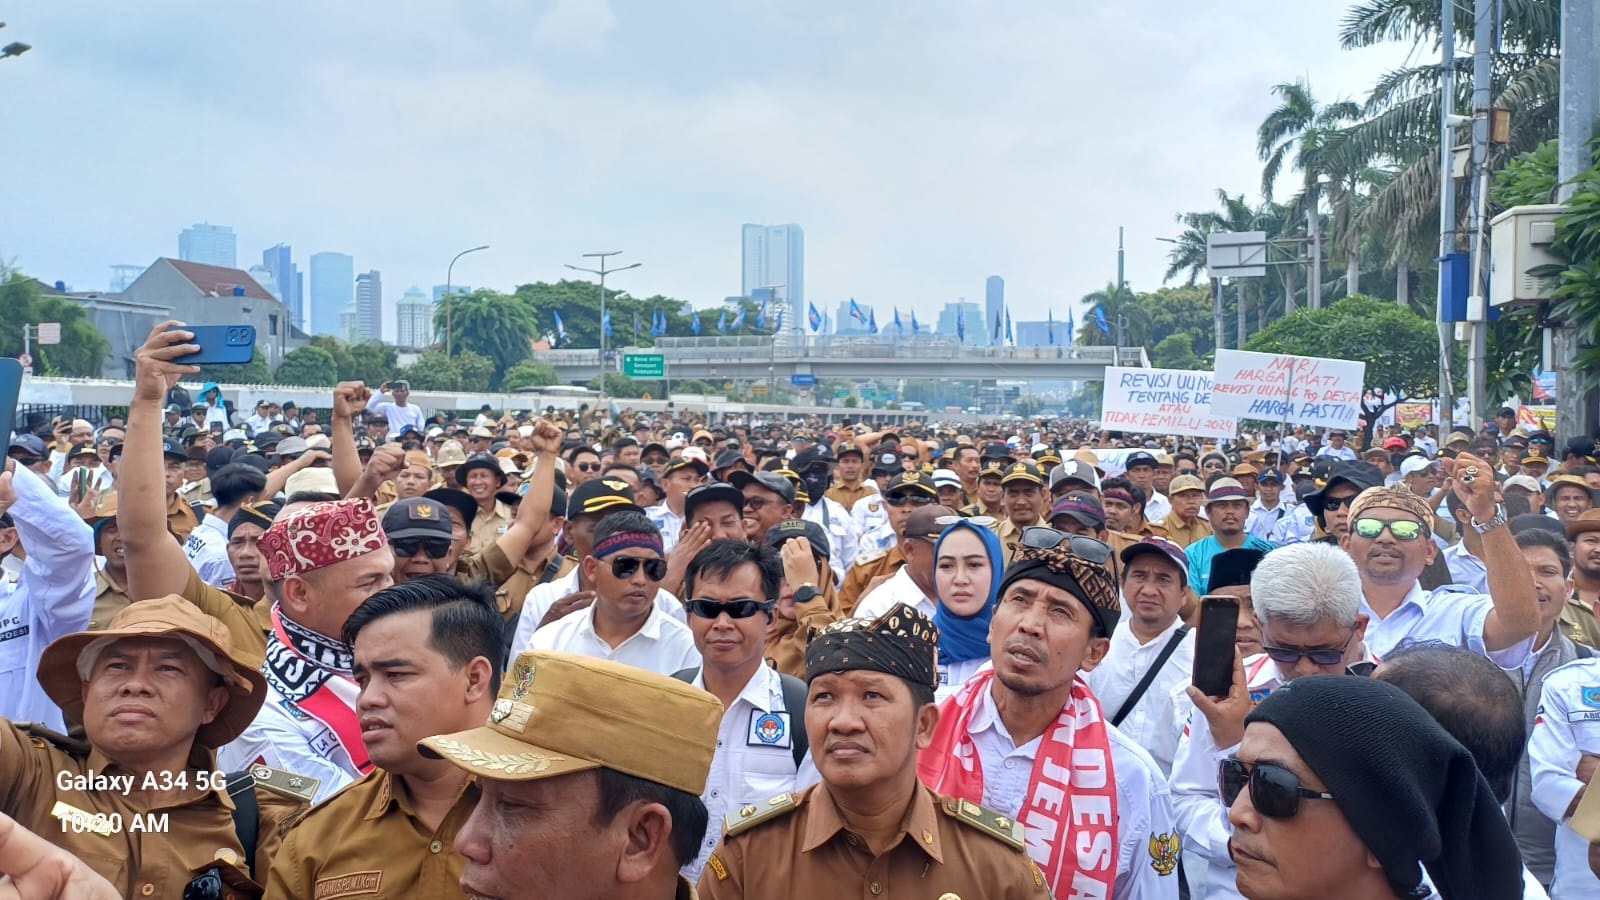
{"x":82,"y":350}
{"x":253,"y":372}
{"x":528,"y":374}
{"x":308,"y":366}
{"x":1176,"y":351}
{"x":466,"y":371}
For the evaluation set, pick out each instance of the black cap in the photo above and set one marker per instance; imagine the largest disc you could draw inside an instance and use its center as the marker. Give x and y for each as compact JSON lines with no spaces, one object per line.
{"x":715,"y":492}
{"x":728,"y":458}
{"x":1360,"y":475}
{"x":600,"y":495}
{"x":805,"y":458}
{"x":687,"y":462}
{"x":1140,"y":459}
{"x":417,"y":517}
{"x":78,"y":450}
{"x":169,"y":448}
{"x":782,"y":532}
{"x":458,"y":500}
{"x":995,"y":450}
{"x":31,"y":443}
{"x":851,"y":449}
{"x":486,"y":461}
{"x":886,"y":461}
{"x":1022,"y":473}
{"x":769,"y":481}
{"x":907,"y":482}
{"x":217,"y":458}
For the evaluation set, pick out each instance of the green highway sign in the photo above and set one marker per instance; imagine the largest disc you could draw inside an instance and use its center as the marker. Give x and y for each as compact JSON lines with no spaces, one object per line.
{"x":644,"y":365}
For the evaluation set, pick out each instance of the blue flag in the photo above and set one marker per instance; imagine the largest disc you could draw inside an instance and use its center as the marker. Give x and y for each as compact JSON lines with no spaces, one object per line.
{"x":722,"y":321}
{"x":855,"y":311}
{"x":899,"y":327}
{"x":1050,"y":327}
{"x":561,"y":330}
{"x":915,"y":328}
{"x":961,"y":325}
{"x":872,"y":321}
{"x":1013,"y":340}
{"x":1100,"y":320}
{"x":997,"y":327}
{"x":738,"y":321}
{"x":815,"y":317}
{"x":606,"y":325}
{"x":1071,"y":328}
{"x":761,"y":316}
{"x":778,"y":323}
{"x":695,"y":325}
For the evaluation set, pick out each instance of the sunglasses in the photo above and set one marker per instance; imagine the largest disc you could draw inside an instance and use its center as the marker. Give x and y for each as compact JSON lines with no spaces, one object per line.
{"x":899,"y":500}
{"x":757,"y":504}
{"x":588,"y":467}
{"x":1087,"y":548}
{"x":624,"y":567}
{"x":1275,"y":792}
{"x":736,"y":609}
{"x":654,"y":460}
{"x":1333,"y":503}
{"x":1403,"y":530}
{"x":1324,"y":657}
{"x":436,"y":548}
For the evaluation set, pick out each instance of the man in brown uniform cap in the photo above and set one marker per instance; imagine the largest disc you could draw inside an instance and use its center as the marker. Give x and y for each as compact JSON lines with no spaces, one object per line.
{"x":591,"y":774}
{"x":871,"y":828}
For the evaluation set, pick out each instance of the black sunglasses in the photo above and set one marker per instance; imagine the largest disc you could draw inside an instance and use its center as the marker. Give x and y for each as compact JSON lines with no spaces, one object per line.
{"x":1087,"y":548}
{"x":588,"y":467}
{"x":1323,"y":657}
{"x":736,"y":609}
{"x":436,"y":548}
{"x":899,"y":500}
{"x":654,"y":460}
{"x":625,"y":566}
{"x":1275,"y":792}
{"x":1331,"y":503}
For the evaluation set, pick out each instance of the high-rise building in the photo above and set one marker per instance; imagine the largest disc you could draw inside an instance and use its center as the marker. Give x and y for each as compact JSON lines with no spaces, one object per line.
{"x":286,"y":275}
{"x":994,"y":310}
{"x":214,"y":245}
{"x":350,"y":325}
{"x":776,"y":255}
{"x":369,"y":305}
{"x":954,"y":313}
{"x":850,"y":325}
{"x":458,"y":289}
{"x":414,"y":319}
{"x":1039,"y":334}
{"x":333,"y":288}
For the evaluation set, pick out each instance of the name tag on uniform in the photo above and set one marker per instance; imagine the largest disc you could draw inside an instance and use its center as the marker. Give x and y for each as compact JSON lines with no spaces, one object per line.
{"x":768,"y":729}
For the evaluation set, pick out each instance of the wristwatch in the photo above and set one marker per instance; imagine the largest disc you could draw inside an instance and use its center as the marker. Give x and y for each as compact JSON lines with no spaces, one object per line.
{"x":806,"y":593}
{"x":1486,"y":527}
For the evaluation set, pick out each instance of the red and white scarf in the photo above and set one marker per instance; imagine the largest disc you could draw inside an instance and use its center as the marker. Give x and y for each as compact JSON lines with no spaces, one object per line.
{"x":1069,"y":816}
{"x":312,"y":672}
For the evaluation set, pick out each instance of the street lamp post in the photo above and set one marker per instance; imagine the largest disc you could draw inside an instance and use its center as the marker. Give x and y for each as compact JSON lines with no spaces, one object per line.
{"x":449,"y":292}
{"x":772,"y":359}
{"x":602,"y":272}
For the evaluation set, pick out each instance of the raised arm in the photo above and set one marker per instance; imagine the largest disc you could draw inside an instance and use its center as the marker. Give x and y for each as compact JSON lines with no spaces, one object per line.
{"x":156,"y":564}
{"x":348,"y":399}
{"x":534,"y":510}
{"x":59,"y":570}
{"x":278,"y":478}
{"x":1515,"y":616}
{"x":386,"y":462}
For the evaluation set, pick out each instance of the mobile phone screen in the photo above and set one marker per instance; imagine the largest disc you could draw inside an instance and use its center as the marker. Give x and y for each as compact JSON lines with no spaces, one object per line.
{"x":1213,"y":645}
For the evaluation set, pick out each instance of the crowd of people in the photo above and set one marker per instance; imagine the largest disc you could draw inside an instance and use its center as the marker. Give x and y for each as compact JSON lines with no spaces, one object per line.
{"x":376,"y":650}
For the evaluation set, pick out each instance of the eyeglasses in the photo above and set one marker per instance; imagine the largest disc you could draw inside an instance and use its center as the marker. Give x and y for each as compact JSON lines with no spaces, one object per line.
{"x":1333,"y":503}
{"x":736,"y":609}
{"x":588,"y":467}
{"x":1275,"y":792}
{"x":1324,"y":657}
{"x":757,"y":504}
{"x":625,"y":566}
{"x":1090,"y":550}
{"x":1403,"y":529}
{"x":899,"y":500}
{"x":654,"y":460}
{"x":985,"y":521}
{"x":205,"y":886}
{"x":436,"y":548}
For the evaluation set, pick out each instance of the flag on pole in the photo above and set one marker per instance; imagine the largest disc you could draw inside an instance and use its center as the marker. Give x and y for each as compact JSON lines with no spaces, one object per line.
{"x":738,"y":321}
{"x":761,"y":316}
{"x":695,"y":325}
{"x":606,"y":324}
{"x":1071,"y":329}
{"x":899,"y":327}
{"x":815,"y":317}
{"x":561,"y":330}
{"x":915,"y":328}
{"x":636,"y":326}
{"x":1009,"y":336}
{"x":997,"y":327}
{"x":1100,"y":320}
{"x":855,"y":311}
{"x":777,"y":326}
{"x":1050,"y":327}
{"x":961,"y":325}
{"x":872,"y":321}
{"x":722,"y":321}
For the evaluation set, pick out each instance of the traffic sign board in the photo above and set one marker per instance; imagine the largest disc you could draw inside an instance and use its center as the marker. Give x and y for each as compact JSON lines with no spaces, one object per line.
{"x":644,"y":365}
{"x":49,"y":333}
{"x":799,"y":380}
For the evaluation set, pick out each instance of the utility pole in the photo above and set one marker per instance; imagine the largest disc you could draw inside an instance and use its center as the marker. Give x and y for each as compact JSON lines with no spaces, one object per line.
{"x":1447,"y":210}
{"x":449,"y":307}
{"x":1580,"y":106}
{"x":1216,"y":314}
{"x":1314,"y":229}
{"x":602,"y":272}
{"x":1121,"y":259}
{"x":1477,"y":302}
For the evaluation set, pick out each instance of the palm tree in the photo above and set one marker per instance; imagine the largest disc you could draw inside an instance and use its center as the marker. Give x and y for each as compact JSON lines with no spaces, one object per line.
{"x":1299,"y":132}
{"x":1188,"y":253}
{"x":1113,"y":300}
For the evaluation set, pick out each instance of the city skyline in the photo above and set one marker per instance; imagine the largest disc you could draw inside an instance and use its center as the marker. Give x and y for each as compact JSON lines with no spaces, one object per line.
{"x":916,"y":172}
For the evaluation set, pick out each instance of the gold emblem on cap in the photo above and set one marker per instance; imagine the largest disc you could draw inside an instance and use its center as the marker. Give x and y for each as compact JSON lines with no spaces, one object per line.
{"x":425,"y":510}
{"x":500,"y":763}
{"x":615,"y":484}
{"x":949,"y":897}
{"x":927,"y":837}
{"x":521,"y":680}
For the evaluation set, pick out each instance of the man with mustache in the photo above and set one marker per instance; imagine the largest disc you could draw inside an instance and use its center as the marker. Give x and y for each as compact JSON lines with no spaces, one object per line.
{"x":1033,"y":714}
{"x":871,"y":826}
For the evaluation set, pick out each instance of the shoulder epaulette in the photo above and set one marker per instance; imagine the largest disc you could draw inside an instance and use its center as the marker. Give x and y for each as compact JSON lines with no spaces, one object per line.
{"x":867,"y":559}
{"x":43,"y":736}
{"x":985,"y":820}
{"x":751,"y":815}
{"x":286,"y":784}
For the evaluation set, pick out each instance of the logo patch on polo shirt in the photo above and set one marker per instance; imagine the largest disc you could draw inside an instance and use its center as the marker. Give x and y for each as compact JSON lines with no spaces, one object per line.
{"x":768,"y":729}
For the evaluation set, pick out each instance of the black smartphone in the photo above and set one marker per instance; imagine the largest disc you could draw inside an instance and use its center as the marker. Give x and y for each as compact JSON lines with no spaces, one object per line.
{"x":1213,"y":645}
{"x":220,"y":345}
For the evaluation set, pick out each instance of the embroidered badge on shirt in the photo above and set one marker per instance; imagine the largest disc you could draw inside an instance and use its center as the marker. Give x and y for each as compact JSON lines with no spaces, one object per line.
{"x":351,"y":885}
{"x":1164,"y":851}
{"x":768,"y":729}
{"x":1591,"y":697}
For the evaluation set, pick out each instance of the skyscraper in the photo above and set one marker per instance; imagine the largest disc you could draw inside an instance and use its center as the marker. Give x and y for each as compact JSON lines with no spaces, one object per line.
{"x":333,"y":288}
{"x":951,"y":321}
{"x":414,"y":319}
{"x":776,"y":255}
{"x":369,"y":305}
{"x":286,"y":275}
{"x":214,"y":245}
{"x":994,"y":305}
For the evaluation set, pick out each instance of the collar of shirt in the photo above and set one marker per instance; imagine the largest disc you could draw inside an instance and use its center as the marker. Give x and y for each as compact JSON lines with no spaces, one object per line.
{"x":986,"y":720}
{"x":1123,"y":634}
{"x":392,"y":793}
{"x":920,"y":822}
{"x":650,"y":630}
{"x":1414,"y":598}
{"x":216,"y":524}
{"x":764,"y":690}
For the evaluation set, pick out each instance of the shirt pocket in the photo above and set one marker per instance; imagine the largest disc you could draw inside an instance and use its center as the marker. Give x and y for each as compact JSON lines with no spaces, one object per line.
{"x":766,"y":773}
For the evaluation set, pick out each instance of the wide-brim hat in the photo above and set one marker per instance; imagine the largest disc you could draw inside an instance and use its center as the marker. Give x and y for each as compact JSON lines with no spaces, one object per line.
{"x":171,"y":617}
{"x":484,"y":461}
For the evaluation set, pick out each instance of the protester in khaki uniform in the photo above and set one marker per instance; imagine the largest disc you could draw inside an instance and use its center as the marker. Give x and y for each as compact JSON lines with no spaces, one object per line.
{"x":111,"y":578}
{"x":871,"y":828}
{"x":579,"y":800}
{"x":427,"y":658}
{"x":157,"y":692}
{"x":807,"y":601}
{"x":905,"y":492}
{"x":1184,"y":525}
{"x":1024,"y":494}
{"x":851,"y":485}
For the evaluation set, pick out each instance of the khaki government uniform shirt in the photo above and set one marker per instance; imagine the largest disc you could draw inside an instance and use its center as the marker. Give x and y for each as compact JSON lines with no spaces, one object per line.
{"x":944,"y":849}
{"x":487,"y":527}
{"x":180,"y":517}
{"x":367,"y":841}
{"x":1578,"y":623}
{"x":108,"y":601}
{"x":847,"y":496}
{"x":154,"y":858}
{"x":1184,"y":535}
{"x":787,"y":638}
{"x":867,"y":567}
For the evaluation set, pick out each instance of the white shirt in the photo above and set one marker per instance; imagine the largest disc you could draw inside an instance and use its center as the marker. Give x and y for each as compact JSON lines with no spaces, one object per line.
{"x":669,"y":523}
{"x":871,"y":515}
{"x":1157,"y":506}
{"x":284,"y":737}
{"x":1297,"y":525}
{"x":1465,"y":569}
{"x":53,"y":596}
{"x":257,"y":423}
{"x":897,"y":588}
{"x":543,"y":596}
{"x":842,"y":534}
{"x":207,"y":549}
{"x":754,"y":760}
{"x":102,"y":480}
{"x":1150,"y":723}
{"x":1144,"y":807}
{"x":662,"y":644}
{"x":1345,"y":452}
{"x":953,"y":675}
{"x":1263,"y":519}
{"x":399,"y":416}
{"x":1566,"y":729}
{"x":1447,"y":615}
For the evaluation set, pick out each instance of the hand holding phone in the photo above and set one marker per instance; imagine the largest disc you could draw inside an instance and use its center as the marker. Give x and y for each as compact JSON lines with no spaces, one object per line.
{"x":1214,"y":644}
{"x":220,"y":345}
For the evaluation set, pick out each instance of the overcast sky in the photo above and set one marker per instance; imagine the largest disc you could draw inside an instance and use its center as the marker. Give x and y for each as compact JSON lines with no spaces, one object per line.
{"x":921,"y":145}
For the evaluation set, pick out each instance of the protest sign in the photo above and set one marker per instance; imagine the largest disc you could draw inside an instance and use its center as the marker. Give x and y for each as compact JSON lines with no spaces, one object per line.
{"x":1278,"y":387}
{"x":1414,"y":415}
{"x":1162,"y":401}
{"x":1532,"y":417}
